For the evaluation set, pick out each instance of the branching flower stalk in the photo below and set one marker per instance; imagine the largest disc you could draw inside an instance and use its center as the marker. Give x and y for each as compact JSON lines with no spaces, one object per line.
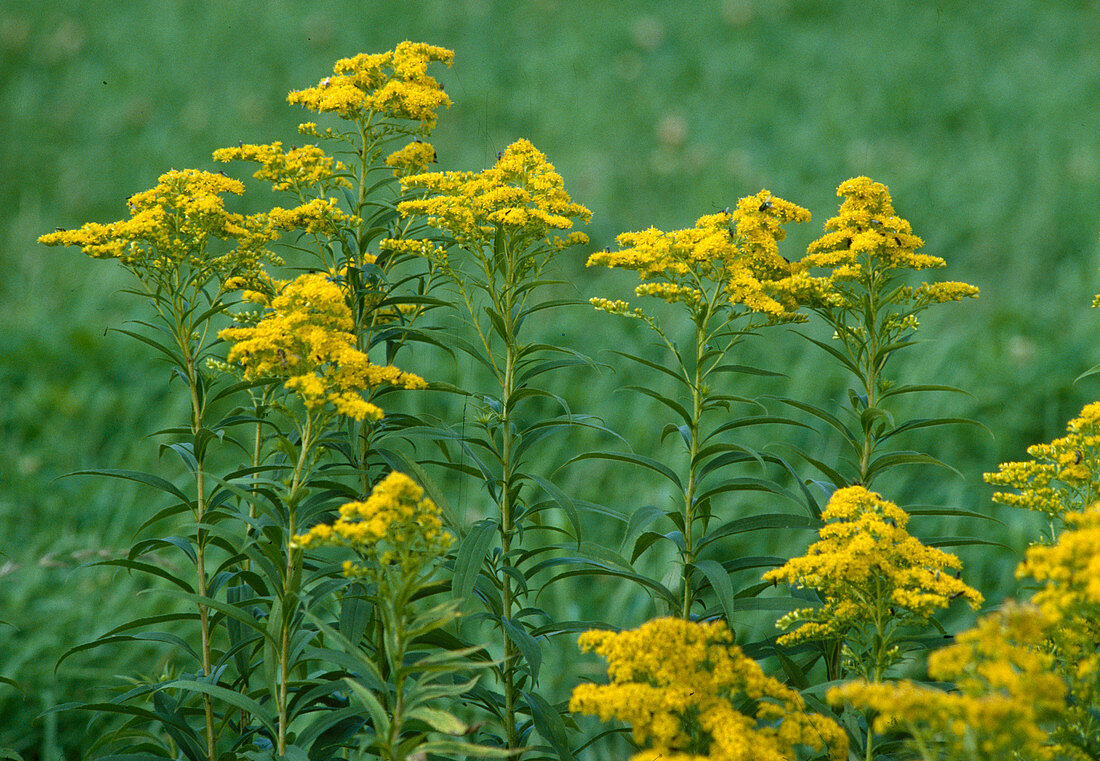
{"x":504,"y":219}
{"x":380,"y":98}
{"x":716,"y":272}
{"x":875,"y":581}
{"x":164,"y":245}
{"x":304,"y":339}
{"x":873,"y":313}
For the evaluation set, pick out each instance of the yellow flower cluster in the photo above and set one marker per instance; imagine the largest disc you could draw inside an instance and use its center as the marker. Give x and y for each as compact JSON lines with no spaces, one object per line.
{"x":171,"y":224}
{"x":416,"y":247}
{"x":395,"y":525}
{"x":618,"y":306}
{"x":1062,"y":476}
{"x":394,"y":85}
{"x":940,"y":293}
{"x":522,"y":195}
{"x":1027,"y":677}
{"x":867,"y":234}
{"x":305,"y":338}
{"x":320,"y":216}
{"x":297,"y":170}
{"x":411,"y":159}
{"x":1070,"y":569}
{"x":867,"y":567}
{"x":1006,"y":698}
{"x":1069,"y":597}
{"x":865,"y":239}
{"x":743,"y":260}
{"x":685,"y":687}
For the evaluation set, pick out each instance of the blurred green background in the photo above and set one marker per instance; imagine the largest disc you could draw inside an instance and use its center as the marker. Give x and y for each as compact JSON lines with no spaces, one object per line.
{"x":982,"y":118}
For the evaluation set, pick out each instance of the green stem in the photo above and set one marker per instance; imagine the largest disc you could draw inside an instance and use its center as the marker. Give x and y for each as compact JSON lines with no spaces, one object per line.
{"x":395,"y":657}
{"x":697,"y":399}
{"x":870,"y":366}
{"x":289,"y":597}
{"x":507,"y":499}
{"x":880,"y":655}
{"x":183,"y":338}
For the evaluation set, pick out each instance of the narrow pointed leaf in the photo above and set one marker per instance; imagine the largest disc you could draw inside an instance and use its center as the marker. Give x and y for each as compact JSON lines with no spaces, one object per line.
{"x":634,"y":459}
{"x":549,"y":724}
{"x":720,"y":583}
{"x":471,"y":556}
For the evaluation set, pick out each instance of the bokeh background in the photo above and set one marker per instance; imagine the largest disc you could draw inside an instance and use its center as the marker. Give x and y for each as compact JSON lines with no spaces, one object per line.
{"x":982,"y":118}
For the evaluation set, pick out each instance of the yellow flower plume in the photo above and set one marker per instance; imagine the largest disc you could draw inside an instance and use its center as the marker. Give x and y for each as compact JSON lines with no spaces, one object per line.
{"x":739,"y":252}
{"x":1062,"y":476}
{"x":690,"y":694}
{"x":395,"y":525}
{"x":394,"y":85}
{"x":172,"y":224}
{"x":298,"y":169}
{"x":864,"y":562}
{"x":521,"y":194}
{"x":305,"y":339}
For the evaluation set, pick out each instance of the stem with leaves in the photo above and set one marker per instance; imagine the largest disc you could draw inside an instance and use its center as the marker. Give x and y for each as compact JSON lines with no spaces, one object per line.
{"x":178,"y":310}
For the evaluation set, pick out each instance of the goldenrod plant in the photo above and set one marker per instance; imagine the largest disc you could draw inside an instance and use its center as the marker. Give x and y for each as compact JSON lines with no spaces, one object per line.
{"x":1068,"y":598}
{"x":689,"y":694}
{"x":499,"y":230}
{"x":1025,"y":678}
{"x":1006,"y":700}
{"x":363,"y":551}
{"x":865,"y":299}
{"x":398,"y":540}
{"x":715,"y":275}
{"x":1061,"y":477}
{"x":172,"y":245}
{"x":879,"y":587}
{"x":304,"y":339}
{"x":298,"y":371}
{"x":875,"y":580}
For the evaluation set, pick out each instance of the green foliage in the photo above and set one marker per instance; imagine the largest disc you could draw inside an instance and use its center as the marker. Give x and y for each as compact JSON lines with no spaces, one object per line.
{"x":77,"y":401}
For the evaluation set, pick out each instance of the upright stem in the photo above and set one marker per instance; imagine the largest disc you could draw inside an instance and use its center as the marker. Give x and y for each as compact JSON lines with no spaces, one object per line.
{"x":289,"y":601}
{"x":200,"y":535}
{"x":395,"y":657}
{"x":507,"y":499}
{"x":697,"y":398}
{"x":881,"y":647}
{"x":200,"y":558}
{"x":871,"y":365}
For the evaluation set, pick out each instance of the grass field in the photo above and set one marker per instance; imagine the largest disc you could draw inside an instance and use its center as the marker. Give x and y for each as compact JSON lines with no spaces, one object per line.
{"x":982,"y":121}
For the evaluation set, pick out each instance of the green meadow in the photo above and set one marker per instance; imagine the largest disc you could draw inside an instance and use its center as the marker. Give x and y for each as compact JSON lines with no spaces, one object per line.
{"x":981,"y":119}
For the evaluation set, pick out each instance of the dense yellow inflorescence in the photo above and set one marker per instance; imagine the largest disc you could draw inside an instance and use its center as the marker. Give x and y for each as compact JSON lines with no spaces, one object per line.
{"x":683,"y":686}
{"x":738,"y":251}
{"x":1069,"y":596}
{"x":305,"y":339}
{"x":412,"y":159}
{"x":866,"y":240}
{"x":866,"y":233}
{"x":521,"y":195}
{"x":321,"y":216}
{"x":394,"y":85}
{"x":1006,"y":695}
{"x":171,"y":225}
{"x":1062,"y":476}
{"x":396,"y":525}
{"x":865,"y":564}
{"x":1027,"y":678}
{"x":297,"y":170}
